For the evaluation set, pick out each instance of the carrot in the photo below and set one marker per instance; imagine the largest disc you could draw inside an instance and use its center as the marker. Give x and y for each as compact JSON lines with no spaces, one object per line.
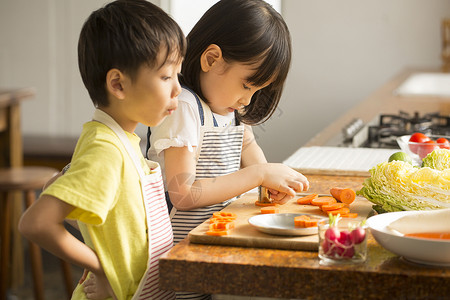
{"x":217,"y":232}
{"x":332,"y":206}
{"x":257,"y":203}
{"x":270,"y":210}
{"x":307,"y":199}
{"x":325,"y":200}
{"x":221,"y":226}
{"x":299,"y":221}
{"x":343,"y":194}
{"x":221,"y":219}
{"x":341,"y":211}
{"x":219,"y":214}
{"x":349,"y":215}
{"x":305,"y":221}
{"x":311,"y":223}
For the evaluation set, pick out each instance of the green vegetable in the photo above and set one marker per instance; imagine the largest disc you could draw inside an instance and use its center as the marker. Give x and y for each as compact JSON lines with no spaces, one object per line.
{"x":439,"y":159}
{"x":402,"y":156}
{"x":397,"y":186}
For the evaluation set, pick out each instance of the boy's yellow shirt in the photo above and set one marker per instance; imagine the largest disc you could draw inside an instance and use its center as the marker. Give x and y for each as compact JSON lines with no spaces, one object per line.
{"x":103,"y":186}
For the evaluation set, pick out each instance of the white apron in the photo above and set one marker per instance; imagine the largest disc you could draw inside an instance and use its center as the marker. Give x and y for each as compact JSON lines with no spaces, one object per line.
{"x":160,"y":237}
{"x":218,"y":153}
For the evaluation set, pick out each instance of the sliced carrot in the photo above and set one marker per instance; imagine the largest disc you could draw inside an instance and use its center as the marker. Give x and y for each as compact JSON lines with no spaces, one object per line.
{"x":270,"y":210}
{"x":307,"y":199}
{"x":341,"y":211}
{"x":349,"y":215}
{"x":222,"y":219}
{"x":219,"y":214}
{"x":217,"y":232}
{"x":221,"y":226}
{"x":299,"y":221}
{"x":325,"y":200}
{"x":311,"y":223}
{"x":343,"y":194}
{"x":332,"y":206}
{"x":257,"y":203}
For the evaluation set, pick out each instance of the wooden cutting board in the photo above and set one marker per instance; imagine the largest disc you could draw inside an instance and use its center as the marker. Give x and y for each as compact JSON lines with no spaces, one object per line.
{"x":245,"y":235}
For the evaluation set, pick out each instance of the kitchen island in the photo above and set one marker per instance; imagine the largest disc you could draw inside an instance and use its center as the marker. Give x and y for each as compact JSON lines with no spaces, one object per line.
{"x":297,"y":274}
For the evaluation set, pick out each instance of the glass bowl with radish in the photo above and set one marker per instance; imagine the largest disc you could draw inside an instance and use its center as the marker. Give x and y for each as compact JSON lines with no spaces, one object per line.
{"x":342,"y":240}
{"x":418,"y":145}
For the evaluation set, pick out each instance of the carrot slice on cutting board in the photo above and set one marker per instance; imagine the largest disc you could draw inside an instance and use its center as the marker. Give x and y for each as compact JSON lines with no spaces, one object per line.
{"x":221,"y":214}
{"x":332,"y":206}
{"x":217,"y":232}
{"x":340,"y":211}
{"x":270,"y":210}
{"x":307,"y":199}
{"x":349,"y":215}
{"x":325,"y":200}
{"x":343,"y":194}
{"x":221,"y":226}
{"x":257,"y":203}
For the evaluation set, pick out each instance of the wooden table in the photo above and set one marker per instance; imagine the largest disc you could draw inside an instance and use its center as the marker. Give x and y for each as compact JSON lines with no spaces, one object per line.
{"x":11,"y":155}
{"x":297,"y":274}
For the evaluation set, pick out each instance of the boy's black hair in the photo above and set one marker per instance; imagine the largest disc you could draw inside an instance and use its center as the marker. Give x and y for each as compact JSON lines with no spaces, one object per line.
{"x":248,"y":32}
{"x":124,"y":34}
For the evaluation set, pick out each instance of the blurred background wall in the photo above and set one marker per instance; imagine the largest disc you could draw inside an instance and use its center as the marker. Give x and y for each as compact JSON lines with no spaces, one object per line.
{"x":342,"y":52}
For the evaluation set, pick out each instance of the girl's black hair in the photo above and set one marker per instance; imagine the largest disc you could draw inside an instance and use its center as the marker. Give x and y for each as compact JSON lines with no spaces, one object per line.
{"x":125,"y":34}
{"x":249,"y":32}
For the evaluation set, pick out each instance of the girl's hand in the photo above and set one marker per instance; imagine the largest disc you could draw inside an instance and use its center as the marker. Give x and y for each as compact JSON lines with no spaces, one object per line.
{"x":282,"y":181}
{"x":97,"y":287}
{"x":278,"y":197}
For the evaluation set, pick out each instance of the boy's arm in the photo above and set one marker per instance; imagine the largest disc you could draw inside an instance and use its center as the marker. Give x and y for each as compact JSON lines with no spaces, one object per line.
{"x":42,"y":224}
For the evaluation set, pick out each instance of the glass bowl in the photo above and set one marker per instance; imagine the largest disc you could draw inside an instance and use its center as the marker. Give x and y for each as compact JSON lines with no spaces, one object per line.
{"x":417,"y":151}
{"x":345,"y":244}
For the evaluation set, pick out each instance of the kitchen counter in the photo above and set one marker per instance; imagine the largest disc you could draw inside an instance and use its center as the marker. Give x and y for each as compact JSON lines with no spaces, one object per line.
{"x":297,"y":274}
{"x":383,"y":101}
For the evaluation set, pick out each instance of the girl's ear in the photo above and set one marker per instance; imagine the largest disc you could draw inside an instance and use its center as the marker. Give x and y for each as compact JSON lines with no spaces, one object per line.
{"x":115,"y":83}
{"x":211,"y":56}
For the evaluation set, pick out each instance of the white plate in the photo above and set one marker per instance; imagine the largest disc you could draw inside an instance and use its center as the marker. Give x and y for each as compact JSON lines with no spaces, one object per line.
{"x":423,"y":251}
{"x":281,"y":224}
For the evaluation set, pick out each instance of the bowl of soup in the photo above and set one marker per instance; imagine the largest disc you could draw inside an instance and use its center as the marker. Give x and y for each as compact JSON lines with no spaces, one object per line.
{"x":418,"y":236}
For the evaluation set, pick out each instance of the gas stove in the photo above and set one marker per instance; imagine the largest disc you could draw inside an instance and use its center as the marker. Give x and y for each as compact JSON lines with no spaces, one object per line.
{"x":383,"y":130}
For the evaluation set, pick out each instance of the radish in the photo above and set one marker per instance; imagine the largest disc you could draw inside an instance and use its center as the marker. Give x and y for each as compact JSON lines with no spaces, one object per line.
{"x":341,"y":244}
{"x":358,"y":235}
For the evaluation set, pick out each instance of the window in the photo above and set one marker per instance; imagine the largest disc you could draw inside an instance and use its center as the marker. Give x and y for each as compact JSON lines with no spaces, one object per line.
{"x":187,"y":13}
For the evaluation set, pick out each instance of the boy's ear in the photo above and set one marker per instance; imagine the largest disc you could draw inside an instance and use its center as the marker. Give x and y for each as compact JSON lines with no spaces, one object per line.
{"x":115,"y":83}
{"x":211,"y":56}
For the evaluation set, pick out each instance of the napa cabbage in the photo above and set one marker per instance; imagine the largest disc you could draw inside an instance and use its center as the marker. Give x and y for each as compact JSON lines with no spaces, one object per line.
{"x":397,"y":186}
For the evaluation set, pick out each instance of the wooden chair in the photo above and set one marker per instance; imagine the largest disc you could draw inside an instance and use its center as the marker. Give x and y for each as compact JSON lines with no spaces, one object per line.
{"x":26,"y":180}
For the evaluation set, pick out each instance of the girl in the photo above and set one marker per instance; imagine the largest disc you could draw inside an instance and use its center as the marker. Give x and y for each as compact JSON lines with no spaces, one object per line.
{"x":237,"y":60}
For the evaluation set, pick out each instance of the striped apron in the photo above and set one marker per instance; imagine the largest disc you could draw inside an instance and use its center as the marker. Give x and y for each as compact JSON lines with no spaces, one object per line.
{"x":218,"y":153}
{"x":159,"y":229}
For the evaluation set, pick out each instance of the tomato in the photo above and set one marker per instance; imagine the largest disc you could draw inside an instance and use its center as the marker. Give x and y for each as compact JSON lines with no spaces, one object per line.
{"x":426,"y":148}
{"x":443,"y":143}
{"x":417,"y":138}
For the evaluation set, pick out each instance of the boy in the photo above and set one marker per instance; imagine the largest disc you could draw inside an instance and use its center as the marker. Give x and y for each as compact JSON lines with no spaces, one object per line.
{"x":129,"y":55}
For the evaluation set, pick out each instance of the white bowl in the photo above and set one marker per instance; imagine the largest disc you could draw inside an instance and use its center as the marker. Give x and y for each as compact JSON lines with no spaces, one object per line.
{"x":423,"y":251}
{"x":404,"y":144}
